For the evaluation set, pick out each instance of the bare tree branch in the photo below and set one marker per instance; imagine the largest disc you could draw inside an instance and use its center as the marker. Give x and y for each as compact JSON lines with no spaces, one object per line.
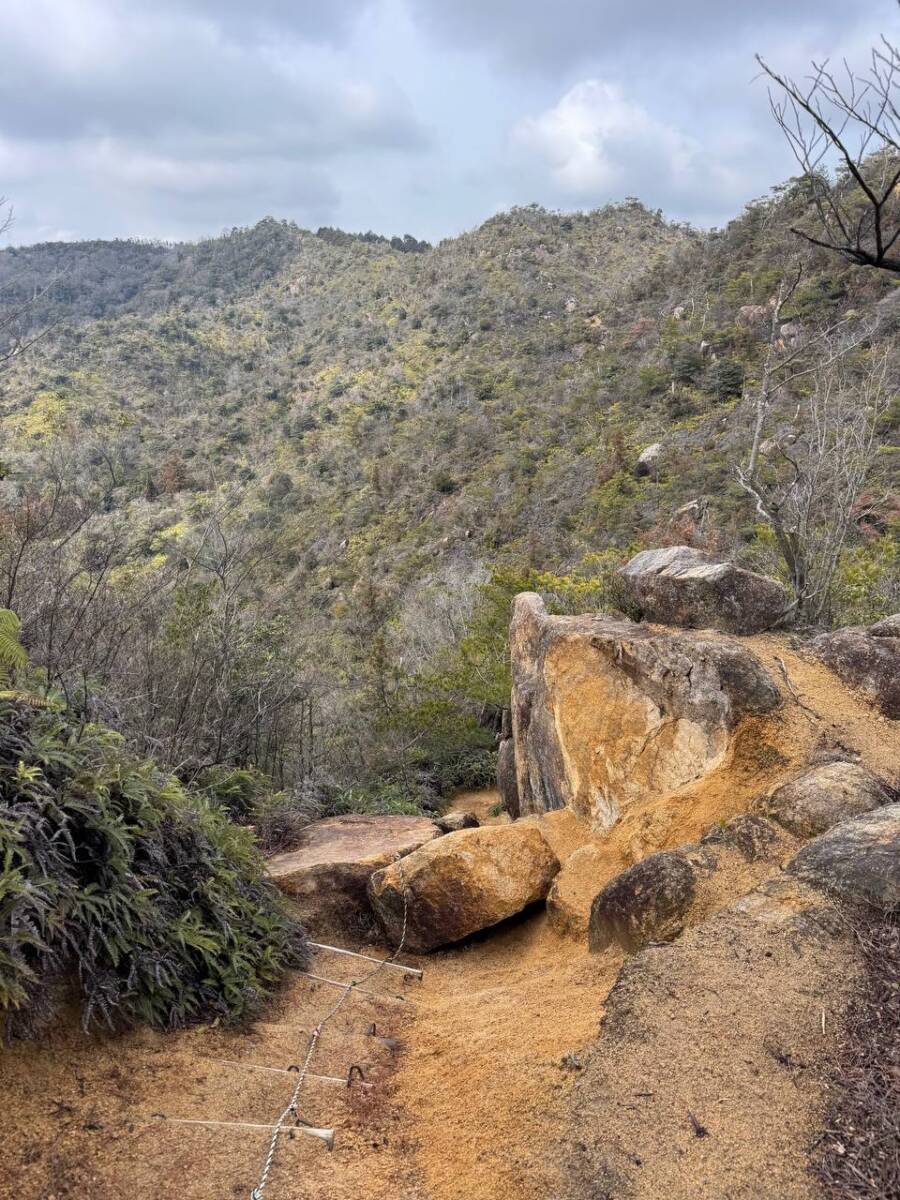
{"x":844,"y":131}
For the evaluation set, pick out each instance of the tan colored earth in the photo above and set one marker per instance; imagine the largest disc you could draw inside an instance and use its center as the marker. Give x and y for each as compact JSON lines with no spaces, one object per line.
{"x":476,"y":1099}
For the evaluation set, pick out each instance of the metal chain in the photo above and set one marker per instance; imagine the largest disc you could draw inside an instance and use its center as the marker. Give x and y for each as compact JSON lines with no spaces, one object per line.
{"x":291,"y":1109}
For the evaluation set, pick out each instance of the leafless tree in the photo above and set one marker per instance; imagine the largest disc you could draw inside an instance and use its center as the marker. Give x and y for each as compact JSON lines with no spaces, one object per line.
{"x":785,"y":364}
{"x":851,"y":119}
{"x":806,"y":481}
{"x":16,"y":334}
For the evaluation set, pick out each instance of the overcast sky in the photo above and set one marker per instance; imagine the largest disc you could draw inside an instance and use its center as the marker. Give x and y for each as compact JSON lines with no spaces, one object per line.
{"x":179,"y":118}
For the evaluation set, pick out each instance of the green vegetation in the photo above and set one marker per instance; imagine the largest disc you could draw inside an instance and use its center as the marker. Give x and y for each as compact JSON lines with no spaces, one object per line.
{"x":267,"y":498}
{"x":117,"y":880}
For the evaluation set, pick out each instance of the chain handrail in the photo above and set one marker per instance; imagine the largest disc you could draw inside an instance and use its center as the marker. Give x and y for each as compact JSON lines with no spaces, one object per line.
{"x":291,"y":1109}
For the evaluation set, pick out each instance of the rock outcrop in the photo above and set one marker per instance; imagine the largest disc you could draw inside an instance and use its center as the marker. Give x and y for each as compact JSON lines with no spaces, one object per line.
{"x":646,"y":903}
{"x":858,"y":860}
{"x":867,"y":659}
{"x":607,"y":713}
{"x":327,"y":874}
{"x":824,"y":796}
{"x":462,"y":883}
{"x":507,"y":783}
{"x":683,"y":586}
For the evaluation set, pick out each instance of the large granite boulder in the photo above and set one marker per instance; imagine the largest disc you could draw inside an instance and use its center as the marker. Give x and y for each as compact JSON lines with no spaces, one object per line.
{"x":867,"y":659}
{"x":327,"y":874}
{"x":824,"y":796}
{"x":683,"y":586}
{"x":648,"y":460}
{"x":464,"y":882}
{"x":647,"y":903}
{"x":607,"y":713}
{"x":858,"y":860}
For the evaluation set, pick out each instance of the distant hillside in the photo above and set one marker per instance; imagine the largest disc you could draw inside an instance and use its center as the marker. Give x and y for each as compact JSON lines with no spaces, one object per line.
{"x":384,"y":429}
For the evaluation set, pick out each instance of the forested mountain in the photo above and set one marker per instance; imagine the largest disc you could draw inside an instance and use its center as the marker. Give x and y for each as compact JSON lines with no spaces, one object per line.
{"x":265,"y":497}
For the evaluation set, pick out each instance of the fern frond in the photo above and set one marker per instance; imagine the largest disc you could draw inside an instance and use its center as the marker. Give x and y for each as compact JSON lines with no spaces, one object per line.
{"x":12,"y":652}
{"x":30,"y":699}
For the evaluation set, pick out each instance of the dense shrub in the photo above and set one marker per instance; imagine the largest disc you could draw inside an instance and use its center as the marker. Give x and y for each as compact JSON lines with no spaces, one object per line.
{"x":237,"y":790}
{"x":114,"y":876}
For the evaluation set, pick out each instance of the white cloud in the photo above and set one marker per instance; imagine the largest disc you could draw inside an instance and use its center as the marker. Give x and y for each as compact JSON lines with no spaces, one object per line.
{"x":591,"y":137}
{"x":597,"y":144}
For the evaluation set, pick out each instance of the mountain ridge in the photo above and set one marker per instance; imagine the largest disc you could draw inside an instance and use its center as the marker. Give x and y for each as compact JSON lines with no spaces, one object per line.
{"x":399,"y":426}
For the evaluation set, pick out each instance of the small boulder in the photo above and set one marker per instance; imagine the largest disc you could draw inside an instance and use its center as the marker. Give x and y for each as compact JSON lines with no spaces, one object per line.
{"x":462,"y":883}
{"x":823,"y":797}
{"x":866,"y":660}
{"x":451,"y":822}
{"x":327,"y":874}
{"x":648,"y":460}
{"x":646,"y":903}
{"x":858,"y":860}
{"x":754,"y":838}
{"x":679,"y":585}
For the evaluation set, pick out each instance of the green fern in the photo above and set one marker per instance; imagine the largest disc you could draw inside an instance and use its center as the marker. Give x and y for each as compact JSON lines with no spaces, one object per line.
{"x":12,"y":654}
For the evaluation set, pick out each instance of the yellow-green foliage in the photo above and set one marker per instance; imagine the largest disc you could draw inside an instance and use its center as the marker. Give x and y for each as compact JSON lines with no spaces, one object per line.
{"x":395,"y":422}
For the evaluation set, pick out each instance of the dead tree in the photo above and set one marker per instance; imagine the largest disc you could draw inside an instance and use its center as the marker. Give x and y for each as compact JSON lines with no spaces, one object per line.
{"x":853,"y":120}
{"x":806,"y":482}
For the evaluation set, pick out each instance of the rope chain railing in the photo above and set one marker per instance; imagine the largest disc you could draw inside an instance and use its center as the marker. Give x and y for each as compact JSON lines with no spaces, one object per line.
{"x":291,"y":1109}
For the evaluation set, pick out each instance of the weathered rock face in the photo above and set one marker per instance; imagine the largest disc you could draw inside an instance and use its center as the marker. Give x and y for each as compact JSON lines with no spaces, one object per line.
{"x":754,"y":838}
{"x":464,"y":882}
{"x":889,"y":627}
{"x":868,"y":659}
{"x":646,"y":903}
{"x":683,"y":586}
{"x":857,"y":860}
{"x":607,"y":713}
{"x":825,"y":796}
{"x":507,"y":783}
{"x":327,"y":875}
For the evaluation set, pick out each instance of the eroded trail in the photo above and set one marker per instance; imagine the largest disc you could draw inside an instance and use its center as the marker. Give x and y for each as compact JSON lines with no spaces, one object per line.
{"x":471,"y":1101}
{"x":497,"y":1034}
{"x":469,"y":1106}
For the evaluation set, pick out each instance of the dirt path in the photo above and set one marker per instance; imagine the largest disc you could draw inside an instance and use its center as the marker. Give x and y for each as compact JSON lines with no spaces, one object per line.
{"x":473,"y":1101}
{"x":467,"y":1106}
{"x":497,"y":1024}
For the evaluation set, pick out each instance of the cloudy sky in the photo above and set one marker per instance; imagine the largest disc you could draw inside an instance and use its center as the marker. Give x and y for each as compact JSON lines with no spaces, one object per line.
{"x":178,"y":118}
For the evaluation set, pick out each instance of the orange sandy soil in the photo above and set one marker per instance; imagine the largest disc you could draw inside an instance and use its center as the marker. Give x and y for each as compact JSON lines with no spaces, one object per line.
{"x":475,"y":1099}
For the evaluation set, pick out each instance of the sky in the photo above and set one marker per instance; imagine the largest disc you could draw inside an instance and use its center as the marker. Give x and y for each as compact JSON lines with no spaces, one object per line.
{"x":176,"y":119}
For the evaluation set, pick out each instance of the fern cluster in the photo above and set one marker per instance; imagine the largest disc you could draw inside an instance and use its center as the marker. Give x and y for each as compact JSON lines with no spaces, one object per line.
{"x":114,"y":877}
